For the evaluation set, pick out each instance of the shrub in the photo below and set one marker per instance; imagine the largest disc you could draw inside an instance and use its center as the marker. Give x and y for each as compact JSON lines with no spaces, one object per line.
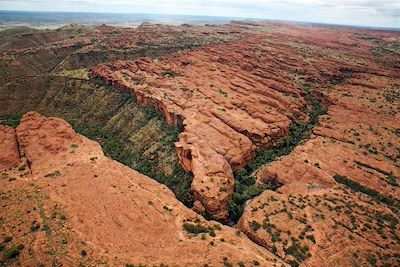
{"x":53,"y":174}
{"x":227,"y":263}
{"x":311,"y":238}
{"x":357,"y":187}
{"x":13,"y":252}
{"x":11,"y":120}
{"x":35,"y":227}
{"x":254,"y":225}
{"x":245,"y":187}
{"x":217,"y":227}
{"x":194,"y":228}
{"x":212,"y":233}
{"x":22,"y":168}
{"x":222,"y":92}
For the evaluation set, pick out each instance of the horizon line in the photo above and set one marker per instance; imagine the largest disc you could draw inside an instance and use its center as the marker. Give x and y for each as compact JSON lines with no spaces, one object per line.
{"x":214,"y":16}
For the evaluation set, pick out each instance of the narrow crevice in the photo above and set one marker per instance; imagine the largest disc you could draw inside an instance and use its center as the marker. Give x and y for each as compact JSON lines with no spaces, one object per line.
{"x":299,"y":131}
{"x":114,"y":141}
{"x":22,"y":153}
{"x":13,"y":120}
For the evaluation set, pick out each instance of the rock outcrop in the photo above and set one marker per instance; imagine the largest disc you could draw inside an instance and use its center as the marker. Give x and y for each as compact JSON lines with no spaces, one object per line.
{"x":334,"y":227}
{"x":339,"y":202}
{"x":113,"y":214}
{"x":225,"y":102}
{"x":9,"y":156}
{"x":231,"y":90}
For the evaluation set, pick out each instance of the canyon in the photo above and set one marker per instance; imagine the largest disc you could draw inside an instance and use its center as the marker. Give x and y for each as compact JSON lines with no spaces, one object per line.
{"x":272,"y":144}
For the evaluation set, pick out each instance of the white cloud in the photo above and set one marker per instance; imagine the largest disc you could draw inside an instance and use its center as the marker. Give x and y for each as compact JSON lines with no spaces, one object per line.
{"x":358,"y":12}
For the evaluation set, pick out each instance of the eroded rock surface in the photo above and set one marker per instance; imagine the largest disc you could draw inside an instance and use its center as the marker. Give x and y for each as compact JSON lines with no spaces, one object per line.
{"x":229,"y":99}
{"x":313,"y":219}
{"x":225,"y":101}
{"x":9,"y":156}
{"x":334,"y":227}
{"x":89,"y":209}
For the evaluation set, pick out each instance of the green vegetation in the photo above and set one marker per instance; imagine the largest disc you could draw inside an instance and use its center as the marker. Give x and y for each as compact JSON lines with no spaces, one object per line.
{"x":203,"y":236}
{"x":73,"y":148}
{"x":194,"y":228}
{"x":393,"y":94}
{"x":254,"y":225}
{"x":7,"y":239}
{"x":245,"y":187}
{"x":35,"y":226}
{"x":222,"y":92}
{"x":357,"y":187}
{"x":22,"y":168}
{"x":135,"y":135}
{"x":13,"y":252}
{"x":227,"y":263}
{"x":212,"y":233}
{"x":170,"y":73}
{"x":53,"y":174}
{"x":300,"y":253}
{"x":391,"y":179}
{"x":11,"y":120}
{"x":298,"y":132}
{"x":179,"y":182}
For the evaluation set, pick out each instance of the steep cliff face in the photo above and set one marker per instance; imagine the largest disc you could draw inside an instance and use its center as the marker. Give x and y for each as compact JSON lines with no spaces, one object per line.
{"x":250,"y":108}
{"x":88,"y":209}
{"x":132,"y":134}
{"x":228,"y":104}
{"x":54,"y":64}
{"x":9,"y":148}
{"x":339,"y":200}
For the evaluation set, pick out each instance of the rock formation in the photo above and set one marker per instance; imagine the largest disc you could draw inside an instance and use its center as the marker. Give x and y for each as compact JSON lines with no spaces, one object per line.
{"x":315,"y":215}
{"x":9,"y":156}
{"x":225,"y":104}
{"x":240,"y":94}
{"x":93,"y":210}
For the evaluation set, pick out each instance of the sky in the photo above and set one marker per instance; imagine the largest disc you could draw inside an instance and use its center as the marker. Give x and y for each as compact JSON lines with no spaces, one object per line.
{"x":380,"y":13}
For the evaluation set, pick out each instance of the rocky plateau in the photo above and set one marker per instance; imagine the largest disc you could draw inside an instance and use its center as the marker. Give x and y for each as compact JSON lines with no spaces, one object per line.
{"x":245,"y":144}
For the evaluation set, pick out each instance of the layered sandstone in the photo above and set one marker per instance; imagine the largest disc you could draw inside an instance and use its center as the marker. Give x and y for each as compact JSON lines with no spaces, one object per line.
{"x":9,"y":156}
{"x":93,"y":210}
{"x":225,"y":102}
{"x":334,"y":227}
{"x":358,"y":136}
{"x":228,"y":99}
{"x":312,"y":219}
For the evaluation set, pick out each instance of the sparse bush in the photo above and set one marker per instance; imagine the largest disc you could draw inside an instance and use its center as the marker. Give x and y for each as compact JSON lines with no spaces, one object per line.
{"x":254,"y":225}
{"x":53,"y":174}
{"x":212,"y":233}
{"x":357,"y":187}
{"x":194,"y":228}
{"x":13,"y":252}
{"x":222,"y":92}
{"x":22,"y":168}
